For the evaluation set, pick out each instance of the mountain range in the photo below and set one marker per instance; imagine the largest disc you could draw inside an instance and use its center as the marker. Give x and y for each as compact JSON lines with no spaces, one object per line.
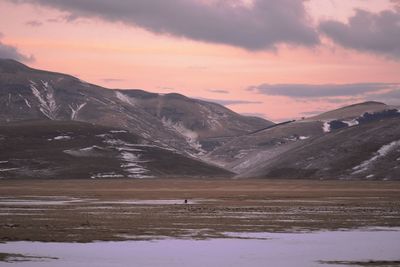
{"x":54,"y":125}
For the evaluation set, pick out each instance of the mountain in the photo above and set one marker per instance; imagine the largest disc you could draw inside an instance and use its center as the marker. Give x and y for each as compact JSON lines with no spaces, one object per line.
{"x":366,"y":151}
{"x":207,"y":123}
{"x":265,"y":153}
{"x":70,"y":149}
{"x":173,"y":121}
{"x":55,"y":125}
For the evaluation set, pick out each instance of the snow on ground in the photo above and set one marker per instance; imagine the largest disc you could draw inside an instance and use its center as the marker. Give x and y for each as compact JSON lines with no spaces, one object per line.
{"x":45,"y":96}
{"x":304,"y":137}
{"x":75,"y":109}
{"x":60,"y":137}
{"x":106,"y":175}
{"x":130,"y":156}
{"x":351,"y":123}
{"x":383,"y":151}
{"x":85,"y":152}
{"x":190,"y":136}
{"x":118,"y":131}
{"x":132,"y":165}
{"x":8,"y":169}
{"x":326,"y":127}
{"x":124,"y":98}
{"x":26,"y":101}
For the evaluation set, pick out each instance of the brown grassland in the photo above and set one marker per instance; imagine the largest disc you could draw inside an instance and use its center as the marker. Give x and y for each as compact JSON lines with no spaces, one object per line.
{"x":103,"y":209}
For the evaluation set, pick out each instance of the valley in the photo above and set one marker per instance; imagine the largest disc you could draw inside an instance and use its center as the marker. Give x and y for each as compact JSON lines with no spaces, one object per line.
{"x":120,"y":209}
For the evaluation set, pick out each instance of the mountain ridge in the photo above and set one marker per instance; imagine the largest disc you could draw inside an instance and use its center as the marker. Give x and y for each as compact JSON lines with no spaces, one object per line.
{"x":203,"y":133}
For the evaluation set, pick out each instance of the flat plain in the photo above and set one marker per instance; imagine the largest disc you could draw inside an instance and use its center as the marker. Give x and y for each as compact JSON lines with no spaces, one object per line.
{"x":91,"y":210}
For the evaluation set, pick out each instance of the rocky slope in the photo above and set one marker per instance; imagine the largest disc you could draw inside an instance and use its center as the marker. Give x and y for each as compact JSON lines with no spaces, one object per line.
{"x":173,"y":121}
{"x":67,"y":149}
{"x":134,"y":133}
{"x":367,"y":151}
{"x":259,"y":153}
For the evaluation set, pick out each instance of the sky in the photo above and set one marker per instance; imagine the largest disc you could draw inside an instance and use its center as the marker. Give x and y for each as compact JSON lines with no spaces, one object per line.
{"x":279,"y":59}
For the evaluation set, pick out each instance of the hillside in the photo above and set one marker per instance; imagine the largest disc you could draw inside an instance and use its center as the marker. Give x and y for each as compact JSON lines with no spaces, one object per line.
{"x":74,"y":150}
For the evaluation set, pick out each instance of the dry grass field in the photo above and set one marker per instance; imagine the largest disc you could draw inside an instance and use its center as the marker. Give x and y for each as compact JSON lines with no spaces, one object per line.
{"x":88,"y":210}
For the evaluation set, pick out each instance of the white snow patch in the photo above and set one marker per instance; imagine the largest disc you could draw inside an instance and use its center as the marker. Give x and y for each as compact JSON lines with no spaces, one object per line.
{"x":124,"y":98}
{"x":103,"y":135}
{"x":303,"y":137}
{"x":132,"y":165}
{"x":190,"y":136}
{"x":326,"y":127}
{"x":9,"y":169}
{"x":118,"y":131}
{"x":3,"y":161}
{"x":75,"y":109}
{"x":383,"y":151}
{"x":61,"y":137}
{"x":90,"y":148}
{"x":47,"y":102}
{"x":351,"y":123}
{"x":131,"y":161}
{"x":106,"y":175}
{"x":27,"y":103}
{"x":91,"y":151}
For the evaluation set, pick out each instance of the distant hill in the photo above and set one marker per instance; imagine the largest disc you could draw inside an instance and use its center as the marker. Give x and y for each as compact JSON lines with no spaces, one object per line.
{"x":296,"y":150}
{"x":76,"y":150}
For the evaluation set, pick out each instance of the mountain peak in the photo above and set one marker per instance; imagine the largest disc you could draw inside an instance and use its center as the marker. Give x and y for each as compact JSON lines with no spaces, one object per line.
{"x":12,"y":66}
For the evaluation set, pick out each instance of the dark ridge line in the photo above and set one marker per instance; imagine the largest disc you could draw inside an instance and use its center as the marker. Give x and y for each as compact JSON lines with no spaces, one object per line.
{"x":271,"y":126}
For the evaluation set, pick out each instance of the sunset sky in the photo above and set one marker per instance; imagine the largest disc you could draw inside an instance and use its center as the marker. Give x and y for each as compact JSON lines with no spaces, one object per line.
{"x":280,"y":59}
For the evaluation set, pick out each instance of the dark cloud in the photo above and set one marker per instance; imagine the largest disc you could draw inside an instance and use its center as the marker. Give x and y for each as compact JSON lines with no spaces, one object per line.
{"x":229,"y":102}
{"x":34,"y":23}
{"x":321,"y":90}
{"x":11,"y":52}
{"x":263,"y":25}
{"x":377,"y":33}
{"x":218,"y":91}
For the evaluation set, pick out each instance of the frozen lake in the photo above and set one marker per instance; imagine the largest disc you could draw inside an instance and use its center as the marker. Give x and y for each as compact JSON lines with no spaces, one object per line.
{"x":255,"y":249}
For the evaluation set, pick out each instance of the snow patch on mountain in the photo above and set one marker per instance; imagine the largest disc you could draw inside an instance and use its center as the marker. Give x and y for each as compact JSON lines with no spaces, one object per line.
{"x":118,"y":131}
{"x":26,"y":101}
{"x":190,"y":136}
{"x":47,"y":101}
{"x":351,"y":123}
{"x":130,"y":157}
{"x":92,"y":151}
{"x":106,"y":175}
{"x":326,"y":127}
{"x":75,"y":109}
{"x":382,"y":152}
{"x":60,"y":137}
{"x":124,"y":98}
